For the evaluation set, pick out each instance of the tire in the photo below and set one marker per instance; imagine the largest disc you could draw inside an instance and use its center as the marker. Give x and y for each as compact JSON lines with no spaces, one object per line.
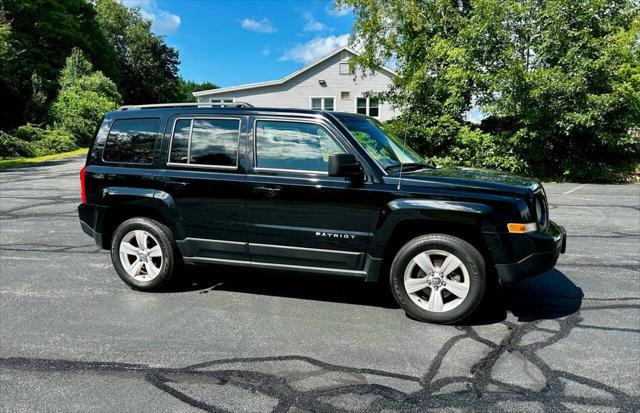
{"x":154,"y":272}
{"x":410,"y":265}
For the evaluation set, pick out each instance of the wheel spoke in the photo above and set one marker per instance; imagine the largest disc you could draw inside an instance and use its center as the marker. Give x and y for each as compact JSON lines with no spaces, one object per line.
{"x":155,"y":251}
{"x":415,"y":284}
{"x":141,"y":239}
{"x":152,"y":270}
{"x":134,"y":269}
{"x":458,"y":289}
{"x":128,"y":249}
{"x":424,"y":262}
{"x":450,"y":264}
{"x":435,"y":301}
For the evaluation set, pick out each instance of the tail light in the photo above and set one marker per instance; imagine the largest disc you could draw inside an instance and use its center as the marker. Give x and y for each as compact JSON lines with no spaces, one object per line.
{"x":83,"y":191}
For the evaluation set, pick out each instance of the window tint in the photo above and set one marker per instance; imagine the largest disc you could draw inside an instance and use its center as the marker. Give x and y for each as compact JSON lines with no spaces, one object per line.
{"x":292,"y":145}
{"x":214,"y":142}
{"x":131,"y":141}
{"x":180,"y":141}
{"x":205,"y":142}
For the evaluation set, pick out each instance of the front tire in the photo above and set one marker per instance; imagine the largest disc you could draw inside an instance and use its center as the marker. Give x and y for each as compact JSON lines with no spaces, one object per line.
{"x":438,"y":278}
{"x":143,"y":254}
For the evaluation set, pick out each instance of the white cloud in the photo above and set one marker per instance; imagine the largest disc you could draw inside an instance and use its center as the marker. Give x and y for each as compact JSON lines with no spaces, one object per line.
{"x":266,"y":51}
{"x":163,"y":22}
{"x":312,"y":25}
{"x":315,"y":48}
{"x":260,"y":26}
{"x":338,"y":11}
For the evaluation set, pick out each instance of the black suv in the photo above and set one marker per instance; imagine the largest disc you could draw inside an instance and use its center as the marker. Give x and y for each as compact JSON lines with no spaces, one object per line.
{"x":309,"y":191}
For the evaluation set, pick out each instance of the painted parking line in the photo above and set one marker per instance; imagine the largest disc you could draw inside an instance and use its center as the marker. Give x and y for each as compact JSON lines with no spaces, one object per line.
{"x":573,"y":190}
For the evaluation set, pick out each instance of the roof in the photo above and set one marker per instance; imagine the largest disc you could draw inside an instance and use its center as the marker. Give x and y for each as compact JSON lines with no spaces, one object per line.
{"x":284,"y":79}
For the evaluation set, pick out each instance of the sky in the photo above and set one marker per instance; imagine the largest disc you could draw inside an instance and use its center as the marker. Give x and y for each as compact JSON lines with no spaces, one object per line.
{"x":244,"y":41}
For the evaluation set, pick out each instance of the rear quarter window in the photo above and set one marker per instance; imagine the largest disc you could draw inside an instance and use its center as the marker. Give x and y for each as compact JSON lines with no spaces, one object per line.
{"x":131,"y":141}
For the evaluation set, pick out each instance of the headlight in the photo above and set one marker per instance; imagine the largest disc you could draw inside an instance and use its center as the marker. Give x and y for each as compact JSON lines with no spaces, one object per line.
{"x":541,"y":210}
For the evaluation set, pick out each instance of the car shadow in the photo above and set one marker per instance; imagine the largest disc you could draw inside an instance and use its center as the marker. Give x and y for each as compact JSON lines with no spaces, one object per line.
{"x":546,"y":296}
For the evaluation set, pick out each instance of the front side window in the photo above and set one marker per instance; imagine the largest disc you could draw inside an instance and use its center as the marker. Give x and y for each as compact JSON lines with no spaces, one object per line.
{"x":294,"y":146}
{"x":381,"y":145}
{"x":211,"y":142}
{"x":322,"y":103}
{"x":131,"y":141}
{"x":344,"y":68}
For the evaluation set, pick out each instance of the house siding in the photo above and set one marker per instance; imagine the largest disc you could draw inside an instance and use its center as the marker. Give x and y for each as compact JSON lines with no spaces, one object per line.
{"x":297,"y":92}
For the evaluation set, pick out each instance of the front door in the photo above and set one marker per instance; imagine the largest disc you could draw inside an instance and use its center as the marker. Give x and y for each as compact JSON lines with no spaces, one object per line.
{"x":297,"y":215}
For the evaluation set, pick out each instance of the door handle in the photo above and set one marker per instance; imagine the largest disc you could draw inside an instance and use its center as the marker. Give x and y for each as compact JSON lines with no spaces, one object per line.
{"x":179,"y":184}
{"x":269,"y":191}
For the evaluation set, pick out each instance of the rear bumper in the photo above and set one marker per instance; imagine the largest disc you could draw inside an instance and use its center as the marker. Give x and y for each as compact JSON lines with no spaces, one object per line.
{"x":88,"y":215}
{"x":546,"y":248}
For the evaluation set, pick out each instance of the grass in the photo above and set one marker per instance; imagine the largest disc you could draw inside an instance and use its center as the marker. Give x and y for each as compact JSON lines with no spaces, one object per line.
{"x":17,"y":162}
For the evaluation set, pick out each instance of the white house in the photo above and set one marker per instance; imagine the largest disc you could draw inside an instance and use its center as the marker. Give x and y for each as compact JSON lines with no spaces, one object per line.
{"x":325,"y":84}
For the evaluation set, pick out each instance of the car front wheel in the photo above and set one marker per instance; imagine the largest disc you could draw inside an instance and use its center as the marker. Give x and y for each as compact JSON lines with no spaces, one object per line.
{"x":438,"y":278}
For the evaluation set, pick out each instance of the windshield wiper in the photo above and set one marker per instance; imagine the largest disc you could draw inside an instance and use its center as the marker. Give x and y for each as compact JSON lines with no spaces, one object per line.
{"x":407,"y":166}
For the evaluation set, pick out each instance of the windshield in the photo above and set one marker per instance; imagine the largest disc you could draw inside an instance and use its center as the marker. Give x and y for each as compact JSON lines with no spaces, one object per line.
{"x":384,"y":147}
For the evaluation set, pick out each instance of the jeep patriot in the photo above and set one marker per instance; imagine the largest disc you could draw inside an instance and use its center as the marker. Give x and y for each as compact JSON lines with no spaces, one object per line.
{"x":166,"y":186}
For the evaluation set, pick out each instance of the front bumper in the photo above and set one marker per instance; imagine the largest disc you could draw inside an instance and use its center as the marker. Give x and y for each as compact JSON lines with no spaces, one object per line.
{"x":545,"y":248}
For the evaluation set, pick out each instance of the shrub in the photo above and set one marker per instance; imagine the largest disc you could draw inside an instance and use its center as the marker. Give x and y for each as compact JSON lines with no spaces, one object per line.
{"x":11,"y":147}
{"x":29,"y":133}
{"x":57,"y":140}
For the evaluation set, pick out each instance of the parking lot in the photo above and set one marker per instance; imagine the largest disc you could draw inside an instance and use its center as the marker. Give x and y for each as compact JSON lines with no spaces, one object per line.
{"x":73,"y":337}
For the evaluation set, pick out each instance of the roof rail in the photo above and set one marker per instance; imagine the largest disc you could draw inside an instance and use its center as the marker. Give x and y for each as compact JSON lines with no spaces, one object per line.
{"x":187,"y":105}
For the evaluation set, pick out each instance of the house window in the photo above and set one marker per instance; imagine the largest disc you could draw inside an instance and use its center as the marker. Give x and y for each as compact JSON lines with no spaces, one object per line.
{"x":344,"y":68}
{"x":322,"y":103}
{"x":368,"y":106}
{"x":345,"y":95}
{"x":221,"y":102}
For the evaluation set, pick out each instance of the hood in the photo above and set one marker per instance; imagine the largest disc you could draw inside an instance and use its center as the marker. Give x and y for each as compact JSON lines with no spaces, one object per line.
{"x":472,"y":179}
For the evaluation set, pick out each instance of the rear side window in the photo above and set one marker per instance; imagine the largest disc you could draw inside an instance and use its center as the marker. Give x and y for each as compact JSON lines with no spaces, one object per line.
{"x":131,"y":141}
{"x":212,"y":142}
{"x":294,"y":146}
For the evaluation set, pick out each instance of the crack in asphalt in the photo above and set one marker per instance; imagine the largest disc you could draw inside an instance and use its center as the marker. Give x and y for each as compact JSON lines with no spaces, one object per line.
{"x":480,"y":391}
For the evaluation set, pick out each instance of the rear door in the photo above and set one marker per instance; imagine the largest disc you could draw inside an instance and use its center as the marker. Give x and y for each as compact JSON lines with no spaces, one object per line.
{"x":204,"y":179}
{"x":297,"y":215}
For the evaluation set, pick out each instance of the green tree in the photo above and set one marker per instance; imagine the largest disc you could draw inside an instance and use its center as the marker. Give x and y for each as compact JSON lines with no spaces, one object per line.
{"x":557,"y":79}
{"x":42,"y":34}
{"x":83,"y":99}
{"x":148,"y":66}
{"x":187,"y":87}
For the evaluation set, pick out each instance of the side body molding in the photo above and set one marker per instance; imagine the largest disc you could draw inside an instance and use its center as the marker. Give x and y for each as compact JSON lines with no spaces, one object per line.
{"x":437,"y":211}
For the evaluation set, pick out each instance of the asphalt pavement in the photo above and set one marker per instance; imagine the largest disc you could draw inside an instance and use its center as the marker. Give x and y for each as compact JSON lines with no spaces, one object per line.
{"x":73,"y":337}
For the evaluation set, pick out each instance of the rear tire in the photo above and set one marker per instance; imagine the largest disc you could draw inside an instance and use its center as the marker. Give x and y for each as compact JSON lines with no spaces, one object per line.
{"x":143,"y":254}
{"x":438,"y":278}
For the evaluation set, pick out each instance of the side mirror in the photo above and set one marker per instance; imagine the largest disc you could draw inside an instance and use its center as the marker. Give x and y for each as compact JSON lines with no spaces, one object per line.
{"x":345,"y":164}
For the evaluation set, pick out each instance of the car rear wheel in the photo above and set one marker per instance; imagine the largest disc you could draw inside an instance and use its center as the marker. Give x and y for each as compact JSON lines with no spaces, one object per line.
{"x":143,"y":254}
{"x":438,"y":278}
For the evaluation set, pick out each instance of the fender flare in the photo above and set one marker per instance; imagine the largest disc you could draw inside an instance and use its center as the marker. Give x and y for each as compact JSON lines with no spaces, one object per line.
{"x":402,"y":210}
{"x":156,"y":200}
